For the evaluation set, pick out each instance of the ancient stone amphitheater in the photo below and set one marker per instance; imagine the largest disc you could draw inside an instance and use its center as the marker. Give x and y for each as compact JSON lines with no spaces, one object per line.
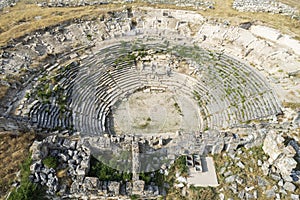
{"x":143,"y":79}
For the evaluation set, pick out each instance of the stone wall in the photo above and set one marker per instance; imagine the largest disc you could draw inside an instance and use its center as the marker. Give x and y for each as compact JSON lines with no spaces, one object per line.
{"x":73,"y":165}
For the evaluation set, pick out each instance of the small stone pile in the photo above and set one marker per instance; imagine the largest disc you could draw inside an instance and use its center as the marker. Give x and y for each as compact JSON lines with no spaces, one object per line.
{"x":236,"y":183}
{"x":92,"y":187}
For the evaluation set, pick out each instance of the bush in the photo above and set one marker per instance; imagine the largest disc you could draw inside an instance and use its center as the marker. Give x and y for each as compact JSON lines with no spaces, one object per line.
{"x":134,"y":197}
{"x":180,"y":164}
{"x":106,"y":173}
{"x":157,"y":178}
{"x":145,"y":177}
{"x":50,"y":162}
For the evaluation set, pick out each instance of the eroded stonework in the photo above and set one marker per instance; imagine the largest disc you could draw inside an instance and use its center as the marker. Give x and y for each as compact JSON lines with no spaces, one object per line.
{"x":231,"y":76}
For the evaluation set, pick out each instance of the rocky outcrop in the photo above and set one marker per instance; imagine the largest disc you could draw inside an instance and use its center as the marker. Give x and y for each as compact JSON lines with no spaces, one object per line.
{"x":280,"y":156}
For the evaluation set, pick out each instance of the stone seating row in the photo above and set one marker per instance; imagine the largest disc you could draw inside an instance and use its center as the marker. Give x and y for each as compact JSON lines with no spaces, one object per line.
{"x":49,"y":116}
{"x":102,"y":79}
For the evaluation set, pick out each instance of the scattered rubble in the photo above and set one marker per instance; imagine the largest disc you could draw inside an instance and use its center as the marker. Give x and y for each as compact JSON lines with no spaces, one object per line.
{"x":73,"y":95}
{"x":272,"y":6}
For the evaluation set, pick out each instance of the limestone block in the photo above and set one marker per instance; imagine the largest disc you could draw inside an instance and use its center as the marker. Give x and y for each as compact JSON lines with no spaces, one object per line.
{"x":270,"y":146}
{"x":285,"y":165}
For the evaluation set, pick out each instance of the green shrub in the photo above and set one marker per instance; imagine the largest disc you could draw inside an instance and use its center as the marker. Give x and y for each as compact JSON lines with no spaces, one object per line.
{"x":50,"y":162}
{"x":27,"y":190}
{"x":180,"y":164}
{"x":106,"y":173}
{"x":134,"y":197}
{"x":145,"y":177}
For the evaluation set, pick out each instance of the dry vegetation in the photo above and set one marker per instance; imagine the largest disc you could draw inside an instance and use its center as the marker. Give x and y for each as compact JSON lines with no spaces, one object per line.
{"x":250,"y":174}
{"x":14,"y":149}
{"x":293,"y":3}
{"x":25,"y":18}
{"x":292,"y":105}
{"x":3,"y":90}
{"x":22,"y":19}
{"x":224,"y":11}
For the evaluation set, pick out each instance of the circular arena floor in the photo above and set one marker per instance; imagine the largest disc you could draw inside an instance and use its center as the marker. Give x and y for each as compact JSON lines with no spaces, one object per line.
{"x":155,"y":113}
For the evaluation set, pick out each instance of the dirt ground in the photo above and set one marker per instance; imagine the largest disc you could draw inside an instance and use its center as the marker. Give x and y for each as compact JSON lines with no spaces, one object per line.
{"x":156,"y":113}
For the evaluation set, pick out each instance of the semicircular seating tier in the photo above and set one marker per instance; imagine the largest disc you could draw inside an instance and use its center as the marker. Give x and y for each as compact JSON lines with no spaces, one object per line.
{"x":227,"y":91}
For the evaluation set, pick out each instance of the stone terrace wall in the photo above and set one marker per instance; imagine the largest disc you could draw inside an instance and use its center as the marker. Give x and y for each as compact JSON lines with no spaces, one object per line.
{"x":271,"y":6}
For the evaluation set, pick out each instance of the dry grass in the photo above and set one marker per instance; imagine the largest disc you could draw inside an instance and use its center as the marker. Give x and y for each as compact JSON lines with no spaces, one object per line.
{"x":20,"y":20}
{"x":13,"y":151}
{"x":3,"y":90}
{"x":249,"y":158}
{"x":292,"y":3}
{"x":293,"y":105}
{"x":224,"y":10}
{"x":249,"y":177}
